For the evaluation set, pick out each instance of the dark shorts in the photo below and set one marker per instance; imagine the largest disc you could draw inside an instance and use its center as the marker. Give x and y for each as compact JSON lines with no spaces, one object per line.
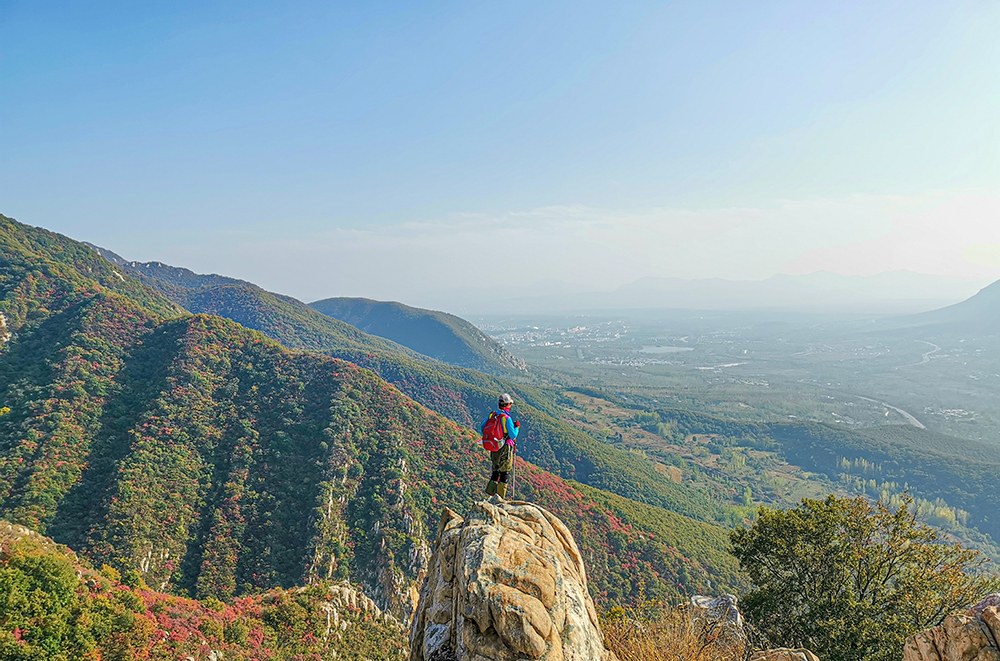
{"x":503,"y":459}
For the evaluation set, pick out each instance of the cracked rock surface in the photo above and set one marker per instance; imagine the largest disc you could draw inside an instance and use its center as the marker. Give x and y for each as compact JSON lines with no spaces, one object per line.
{"x":505,"y":583}
{"x":970,"y":637}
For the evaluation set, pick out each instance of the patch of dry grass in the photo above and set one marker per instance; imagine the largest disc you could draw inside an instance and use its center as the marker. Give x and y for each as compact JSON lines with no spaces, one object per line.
{"x":653,"y":631}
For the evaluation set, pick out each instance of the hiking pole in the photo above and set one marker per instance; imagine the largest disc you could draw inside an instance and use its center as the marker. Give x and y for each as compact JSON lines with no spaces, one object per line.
{"x":513,"y":471}
{"x":513,"y":463}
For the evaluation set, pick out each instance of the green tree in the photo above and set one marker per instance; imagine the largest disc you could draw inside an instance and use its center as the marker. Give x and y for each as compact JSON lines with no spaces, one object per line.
{"x":850,"y":579}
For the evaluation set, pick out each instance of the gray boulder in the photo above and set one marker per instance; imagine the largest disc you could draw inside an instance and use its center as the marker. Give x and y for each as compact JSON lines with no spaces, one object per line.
{"x":719,"y":616}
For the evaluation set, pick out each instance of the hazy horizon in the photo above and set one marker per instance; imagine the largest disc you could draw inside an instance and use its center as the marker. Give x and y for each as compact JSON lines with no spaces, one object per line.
{"x":394,"y":151}
{"x":887,"y":293}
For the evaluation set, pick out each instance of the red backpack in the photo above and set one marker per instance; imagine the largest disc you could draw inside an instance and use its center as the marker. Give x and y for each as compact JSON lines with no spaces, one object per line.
{"x":494,"y":432}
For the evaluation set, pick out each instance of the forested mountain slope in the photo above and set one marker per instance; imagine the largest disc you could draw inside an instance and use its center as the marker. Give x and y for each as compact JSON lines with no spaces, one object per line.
{"x":880,"y":461}
{"x":961,"y":473}
{"x":461,"y":394}
{"x":214,"y":462}
{"x":436,"y":334}
{"x":290,"y":321}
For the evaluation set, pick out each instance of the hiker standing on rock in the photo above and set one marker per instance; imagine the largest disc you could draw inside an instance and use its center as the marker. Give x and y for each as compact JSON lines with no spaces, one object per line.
{"x":499,"y":437}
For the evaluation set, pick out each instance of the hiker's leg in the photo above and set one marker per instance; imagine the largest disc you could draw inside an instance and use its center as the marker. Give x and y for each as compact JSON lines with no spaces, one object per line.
{"x":496,"y":458}
{"x":491,"y":488}
{"x":502,"y":484}
{"x":504,"y":463}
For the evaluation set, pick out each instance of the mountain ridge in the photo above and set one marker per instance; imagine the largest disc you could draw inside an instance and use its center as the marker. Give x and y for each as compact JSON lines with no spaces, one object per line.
{"x":979,"y":313}
{"x":214,"y":462}
{"x":436,"y":335}
{"x":460,"y":394}
{"x":432,"y":333}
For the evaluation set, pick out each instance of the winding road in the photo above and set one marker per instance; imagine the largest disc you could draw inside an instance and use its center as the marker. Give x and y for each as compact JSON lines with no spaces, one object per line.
{"x":907,"y":416}
{"x":926,"y":356}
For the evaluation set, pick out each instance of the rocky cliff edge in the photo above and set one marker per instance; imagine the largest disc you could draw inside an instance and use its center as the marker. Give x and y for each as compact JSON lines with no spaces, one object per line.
{"x":505,"y":583}
{"x":972,"y":636}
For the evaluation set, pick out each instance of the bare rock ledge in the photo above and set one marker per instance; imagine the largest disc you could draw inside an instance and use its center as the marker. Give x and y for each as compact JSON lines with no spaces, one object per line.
{"x":504,"y":584}
{"x":973,"y":636}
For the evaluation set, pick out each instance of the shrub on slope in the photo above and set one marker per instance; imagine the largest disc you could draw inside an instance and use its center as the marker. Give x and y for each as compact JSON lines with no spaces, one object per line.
{"x":55,"y":607}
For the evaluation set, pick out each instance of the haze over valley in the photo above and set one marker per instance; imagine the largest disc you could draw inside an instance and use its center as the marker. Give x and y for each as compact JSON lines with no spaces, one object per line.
{"x":500,"y":331}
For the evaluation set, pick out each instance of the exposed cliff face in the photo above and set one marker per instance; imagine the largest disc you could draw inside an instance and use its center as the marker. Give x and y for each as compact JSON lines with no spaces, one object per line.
{"x":505,"y":583}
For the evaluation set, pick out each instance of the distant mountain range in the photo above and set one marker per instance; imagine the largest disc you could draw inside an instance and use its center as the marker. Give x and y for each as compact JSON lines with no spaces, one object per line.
{"x":327,"y":323}
{"x":889,"y":293}
{"x":894,"y":292}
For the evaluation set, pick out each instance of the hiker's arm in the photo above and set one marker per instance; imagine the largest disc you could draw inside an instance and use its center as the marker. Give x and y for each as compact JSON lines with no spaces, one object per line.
{"x":509,"y":426}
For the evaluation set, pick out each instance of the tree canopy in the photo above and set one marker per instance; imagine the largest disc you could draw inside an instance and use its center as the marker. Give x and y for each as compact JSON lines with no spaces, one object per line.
{"x":851,"y":579}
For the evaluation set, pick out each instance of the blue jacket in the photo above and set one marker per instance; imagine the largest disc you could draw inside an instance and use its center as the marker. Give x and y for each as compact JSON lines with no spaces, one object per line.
{"x":508,"y":426}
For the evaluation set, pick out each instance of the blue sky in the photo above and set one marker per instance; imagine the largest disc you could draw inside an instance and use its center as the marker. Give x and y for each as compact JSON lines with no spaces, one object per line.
{"x":374,"y":148}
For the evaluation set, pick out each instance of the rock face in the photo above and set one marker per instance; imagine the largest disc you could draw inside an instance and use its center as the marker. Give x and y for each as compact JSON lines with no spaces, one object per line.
{"x":720,"y":616}
{"x":506,"y":583}
{"x":967,"y":637}
{"x":990,"y":600}
{"x":347,"y":598}
{"x":784,"y":654}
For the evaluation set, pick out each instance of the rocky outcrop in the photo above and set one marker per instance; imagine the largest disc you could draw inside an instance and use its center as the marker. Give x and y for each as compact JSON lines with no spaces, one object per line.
{"x":343,"y":601}
{"x":505,"y":583}
{"x":4,"y":332}
{"x":990,"y":600}
{"x":719,"y":617}
{"x":784,"y":654}
{"x":972,"y":636}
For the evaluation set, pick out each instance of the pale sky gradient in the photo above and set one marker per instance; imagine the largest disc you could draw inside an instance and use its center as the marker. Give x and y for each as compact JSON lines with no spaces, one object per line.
{"x":385,"y":149}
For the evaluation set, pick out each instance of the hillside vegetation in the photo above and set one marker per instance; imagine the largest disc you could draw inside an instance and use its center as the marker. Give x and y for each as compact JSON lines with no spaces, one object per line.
{"x":961,"y":473}
{"x":282,"y":318}
{"x":214,"y":462}
{"x":949,"y":477}
{"x":461,"y":394}
{"x":56,"y":606}
{"x":737,"y":464}
{"x":436,"y":334}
